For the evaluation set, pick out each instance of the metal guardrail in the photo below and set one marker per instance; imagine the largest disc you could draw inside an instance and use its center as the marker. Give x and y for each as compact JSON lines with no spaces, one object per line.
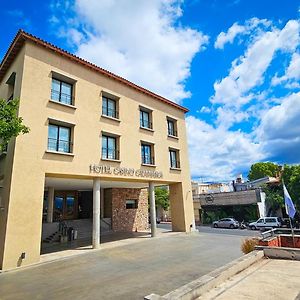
{"x":109,"y":112}
{"x":60,"y":145}
{"x":277,"y":231}
{"x":62,"y":97}
{"x":110,"y":153}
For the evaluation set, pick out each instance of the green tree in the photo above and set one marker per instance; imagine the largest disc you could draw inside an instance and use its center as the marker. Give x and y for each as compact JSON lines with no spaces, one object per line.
{"x":274,"y":197}
{"x":162,"y":198}
{"x":291,"y":178}
{"x":263,"y":169}
{"x":10,"y":124}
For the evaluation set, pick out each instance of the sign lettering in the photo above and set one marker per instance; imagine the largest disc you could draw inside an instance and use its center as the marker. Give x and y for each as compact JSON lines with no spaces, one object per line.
{"x":122,"y":171}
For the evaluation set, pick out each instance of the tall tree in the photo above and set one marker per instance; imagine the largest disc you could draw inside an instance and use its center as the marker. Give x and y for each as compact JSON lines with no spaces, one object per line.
{"x":263,"y":169}
{"x":291,"y":177}
{"x":162,"y":198}
{"x":10,"y":124}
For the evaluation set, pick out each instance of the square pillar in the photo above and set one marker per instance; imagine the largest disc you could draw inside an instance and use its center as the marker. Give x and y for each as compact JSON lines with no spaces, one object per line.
{"x":50,"y":204}
{"x":152,"y":209}
{"x":96,"y":213}
{"x":182,"y":210}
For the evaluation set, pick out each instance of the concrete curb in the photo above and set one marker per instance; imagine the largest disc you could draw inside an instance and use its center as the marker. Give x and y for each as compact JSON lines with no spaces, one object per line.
{"x":280,"y":252}
{"x":203,"y":284}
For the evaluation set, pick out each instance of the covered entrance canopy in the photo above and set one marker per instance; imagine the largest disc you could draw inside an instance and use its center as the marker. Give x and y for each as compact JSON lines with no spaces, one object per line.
{"x":122,"y":205}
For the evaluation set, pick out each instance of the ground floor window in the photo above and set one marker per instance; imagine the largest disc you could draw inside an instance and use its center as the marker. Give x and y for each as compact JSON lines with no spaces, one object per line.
{"x":131,"y":204}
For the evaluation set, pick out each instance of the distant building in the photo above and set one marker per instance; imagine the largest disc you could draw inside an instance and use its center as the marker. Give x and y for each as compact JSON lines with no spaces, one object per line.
{"x":239,"y":199}
{"x":239,"y":185}
{"x":205,"y":188}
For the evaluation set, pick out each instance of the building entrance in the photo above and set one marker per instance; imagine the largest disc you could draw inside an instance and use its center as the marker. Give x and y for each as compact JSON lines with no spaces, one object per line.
{"x":65,"y":205}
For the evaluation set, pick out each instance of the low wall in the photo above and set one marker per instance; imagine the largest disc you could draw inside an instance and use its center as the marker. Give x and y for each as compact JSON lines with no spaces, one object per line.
{"x":281,"y":241}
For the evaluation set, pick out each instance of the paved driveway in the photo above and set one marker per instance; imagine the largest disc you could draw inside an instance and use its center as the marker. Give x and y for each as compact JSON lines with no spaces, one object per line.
{"x":156,"y":265}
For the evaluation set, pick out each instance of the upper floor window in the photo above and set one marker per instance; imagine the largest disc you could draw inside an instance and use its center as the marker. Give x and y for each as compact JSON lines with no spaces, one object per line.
{"x":174,"y":159}
{"x":145,"y":118}
{"x":11,"y":86}
{"x":172,"y":127}
{"x":59,"y":138}
{"x":62,"y":91}
{"x":147,"y":154}
{"x":109,"y":107}
{"x":109,"y":147}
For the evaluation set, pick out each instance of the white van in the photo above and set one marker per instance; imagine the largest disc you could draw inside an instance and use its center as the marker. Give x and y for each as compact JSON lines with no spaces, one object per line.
{"x":265,"y":222}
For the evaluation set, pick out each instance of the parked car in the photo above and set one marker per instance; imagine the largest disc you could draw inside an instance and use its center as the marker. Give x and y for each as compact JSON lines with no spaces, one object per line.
{"x":226,"y":223}
{"x":271,"y":222}
{"x":157,"y":220}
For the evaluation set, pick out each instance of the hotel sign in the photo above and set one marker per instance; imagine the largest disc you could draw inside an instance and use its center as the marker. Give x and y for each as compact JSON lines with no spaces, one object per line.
{"x":121,"y":171}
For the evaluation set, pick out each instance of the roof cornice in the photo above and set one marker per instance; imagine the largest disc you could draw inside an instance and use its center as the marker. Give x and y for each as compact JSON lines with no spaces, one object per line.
{"x":23,"y":36}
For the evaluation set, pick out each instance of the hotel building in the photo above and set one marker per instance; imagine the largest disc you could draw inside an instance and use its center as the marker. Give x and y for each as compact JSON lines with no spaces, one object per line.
{"x":97,"y":147}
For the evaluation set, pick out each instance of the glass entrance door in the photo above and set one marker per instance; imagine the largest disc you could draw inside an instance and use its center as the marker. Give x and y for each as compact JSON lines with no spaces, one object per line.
{"x":65,"y":206}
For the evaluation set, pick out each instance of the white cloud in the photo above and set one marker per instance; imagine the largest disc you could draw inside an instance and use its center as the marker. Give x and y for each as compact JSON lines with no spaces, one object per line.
{"x":205,"y":109}
{"x":292,"y":73}
{"x":279,"y":131}
{"x":218,"y":154}
{"x":228,"y":37}
{"x":248,"y":71}
{"x":237,"y":30}
{"x":226,"y":116}
{"x":138,"y":40}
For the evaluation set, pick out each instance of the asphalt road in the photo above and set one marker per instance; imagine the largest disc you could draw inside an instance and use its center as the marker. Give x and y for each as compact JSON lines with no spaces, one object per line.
{"x":156,"y":265}
{"x":226,"y":231}
{"x":238,"y":232}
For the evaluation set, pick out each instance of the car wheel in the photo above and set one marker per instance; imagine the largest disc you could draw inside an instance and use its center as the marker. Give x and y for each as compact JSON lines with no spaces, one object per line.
{"x":231,"y":226}
{"x":252,"y":227}
{"x":215,"y":225}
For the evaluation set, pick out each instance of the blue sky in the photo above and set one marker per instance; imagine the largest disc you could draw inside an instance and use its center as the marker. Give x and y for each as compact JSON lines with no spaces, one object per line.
{"x":235,"y":64}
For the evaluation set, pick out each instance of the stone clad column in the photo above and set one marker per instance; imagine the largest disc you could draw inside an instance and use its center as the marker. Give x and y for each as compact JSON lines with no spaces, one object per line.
{"x":96,"y":213}
{"x":152,"y":209}
{"x":50,"y":204}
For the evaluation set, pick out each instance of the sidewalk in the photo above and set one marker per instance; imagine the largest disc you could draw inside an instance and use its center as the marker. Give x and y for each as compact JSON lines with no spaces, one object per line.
{"x":267,"y":279}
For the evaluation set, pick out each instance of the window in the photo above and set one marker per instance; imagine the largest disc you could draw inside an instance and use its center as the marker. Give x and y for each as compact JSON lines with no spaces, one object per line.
{"x":11,"y":86}
{"x":109,"y":107}
{"x":109,"y":147}
{"x":174,"y":159}
{"x":145,"y":119}
{"x":147,"y":154}
{"x":131,"y":204}
{"x":172,"y":130}
{"x":59,"y":138}
{"x":61,"y":91}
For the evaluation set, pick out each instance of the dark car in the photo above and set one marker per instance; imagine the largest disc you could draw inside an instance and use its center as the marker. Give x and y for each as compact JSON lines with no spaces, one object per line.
{"x":157,"y":220}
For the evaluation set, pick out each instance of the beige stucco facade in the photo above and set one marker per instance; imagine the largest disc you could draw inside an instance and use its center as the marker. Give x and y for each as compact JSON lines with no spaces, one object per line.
{"x":27,"y":163}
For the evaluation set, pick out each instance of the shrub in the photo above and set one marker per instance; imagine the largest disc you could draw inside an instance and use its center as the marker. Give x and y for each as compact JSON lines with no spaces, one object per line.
{"x":249,"y":244}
